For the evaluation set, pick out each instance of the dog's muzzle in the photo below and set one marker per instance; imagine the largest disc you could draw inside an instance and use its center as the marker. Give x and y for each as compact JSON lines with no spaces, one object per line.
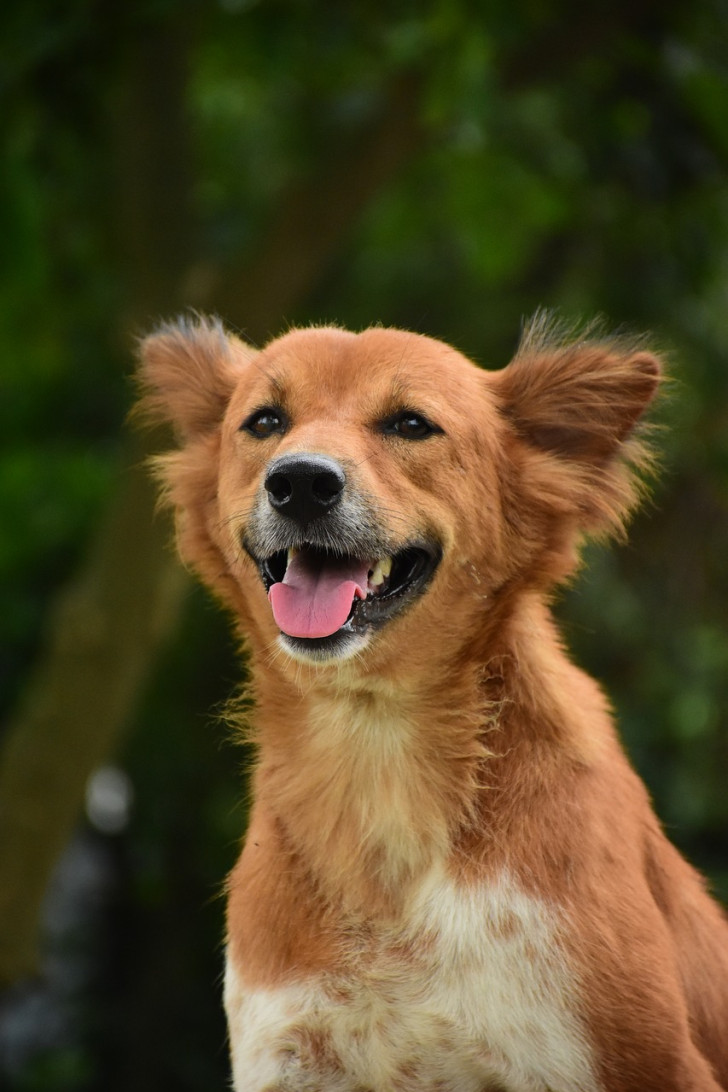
{"x":331,"y":575}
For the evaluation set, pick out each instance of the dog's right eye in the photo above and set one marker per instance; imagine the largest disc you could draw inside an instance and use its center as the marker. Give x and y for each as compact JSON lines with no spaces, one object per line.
{"x":409,"y":425}
{"x":265,"y":422}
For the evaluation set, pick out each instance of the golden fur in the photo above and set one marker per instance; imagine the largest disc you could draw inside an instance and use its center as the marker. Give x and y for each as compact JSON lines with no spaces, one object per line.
{"x":452,"y":878}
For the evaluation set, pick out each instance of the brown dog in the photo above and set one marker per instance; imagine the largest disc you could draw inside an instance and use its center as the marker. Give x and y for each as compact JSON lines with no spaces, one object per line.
{"x":452,"y":880}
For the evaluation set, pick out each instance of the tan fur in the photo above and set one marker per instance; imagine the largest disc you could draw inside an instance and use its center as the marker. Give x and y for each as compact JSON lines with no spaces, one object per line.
{"x":452,"y":878}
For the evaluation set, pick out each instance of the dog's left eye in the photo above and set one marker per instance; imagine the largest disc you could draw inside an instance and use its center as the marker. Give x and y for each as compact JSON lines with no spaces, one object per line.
{"x":264,"y":422}
{"x":410,"y":425}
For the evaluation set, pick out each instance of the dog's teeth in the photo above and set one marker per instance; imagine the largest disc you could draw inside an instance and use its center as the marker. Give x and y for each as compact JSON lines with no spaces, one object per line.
{"x":292,"y":551}
{"x":381,"y":571}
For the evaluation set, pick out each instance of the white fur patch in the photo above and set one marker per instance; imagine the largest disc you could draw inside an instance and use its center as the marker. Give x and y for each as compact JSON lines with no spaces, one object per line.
{"x":473,"y":989}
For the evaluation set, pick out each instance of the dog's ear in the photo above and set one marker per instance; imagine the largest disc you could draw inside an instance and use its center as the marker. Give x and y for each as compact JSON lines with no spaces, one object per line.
{"x":188,"y":371}
{"x":578,"y":400}
{"x":575,"y":406}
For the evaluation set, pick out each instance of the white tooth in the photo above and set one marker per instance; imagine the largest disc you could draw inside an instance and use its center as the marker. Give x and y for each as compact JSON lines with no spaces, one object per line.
{"x":292,"y":551}
{"x":381,"y":571}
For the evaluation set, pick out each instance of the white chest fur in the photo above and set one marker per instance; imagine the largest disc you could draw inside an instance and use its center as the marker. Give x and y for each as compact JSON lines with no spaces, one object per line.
{"x":472,"y":989}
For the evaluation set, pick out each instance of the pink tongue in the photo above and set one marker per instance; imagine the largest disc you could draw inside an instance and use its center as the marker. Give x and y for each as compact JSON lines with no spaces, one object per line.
{"x":315,"y":600}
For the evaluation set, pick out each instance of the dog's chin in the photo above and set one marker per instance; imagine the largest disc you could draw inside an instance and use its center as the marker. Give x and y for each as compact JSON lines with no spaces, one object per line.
{"x":345,"y":644}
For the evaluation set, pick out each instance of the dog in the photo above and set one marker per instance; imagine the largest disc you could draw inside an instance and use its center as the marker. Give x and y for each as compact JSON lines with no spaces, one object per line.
{"x":452,"y":880}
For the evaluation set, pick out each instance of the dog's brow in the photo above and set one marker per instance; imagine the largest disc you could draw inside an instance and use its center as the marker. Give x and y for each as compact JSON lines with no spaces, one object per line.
{"x":402,"y":392}
{"x":276,"y":382}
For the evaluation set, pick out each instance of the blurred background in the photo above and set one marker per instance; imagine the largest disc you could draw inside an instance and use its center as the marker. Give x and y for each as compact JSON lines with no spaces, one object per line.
{"x":444,"y":166}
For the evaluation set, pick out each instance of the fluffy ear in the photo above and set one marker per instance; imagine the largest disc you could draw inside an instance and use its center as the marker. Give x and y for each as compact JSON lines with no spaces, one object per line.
{"x":578,"y":400}
{"x":188,"y":371}
{"x":575,"y":406}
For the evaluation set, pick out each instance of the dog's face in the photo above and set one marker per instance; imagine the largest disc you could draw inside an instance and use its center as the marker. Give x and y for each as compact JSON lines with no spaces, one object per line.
{"x":343,"y":476}
{"x":350,"y":490}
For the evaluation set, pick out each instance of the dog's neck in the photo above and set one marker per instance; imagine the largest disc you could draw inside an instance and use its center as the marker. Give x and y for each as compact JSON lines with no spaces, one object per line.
{"x":374,"y":783}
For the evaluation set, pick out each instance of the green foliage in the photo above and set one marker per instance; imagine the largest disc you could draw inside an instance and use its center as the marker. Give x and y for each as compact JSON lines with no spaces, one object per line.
{"x":565,"y":155}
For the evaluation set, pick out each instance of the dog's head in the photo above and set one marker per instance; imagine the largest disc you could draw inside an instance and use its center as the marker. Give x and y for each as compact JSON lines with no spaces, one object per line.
{"x":333,"y":485}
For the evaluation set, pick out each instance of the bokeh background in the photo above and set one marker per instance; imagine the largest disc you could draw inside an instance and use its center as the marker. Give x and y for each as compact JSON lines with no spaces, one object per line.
{"x":444,"y":166}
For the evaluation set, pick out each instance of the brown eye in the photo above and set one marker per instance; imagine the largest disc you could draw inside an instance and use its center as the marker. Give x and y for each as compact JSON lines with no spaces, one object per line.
{"x":265,"y":422}
{"x":410,"y":426}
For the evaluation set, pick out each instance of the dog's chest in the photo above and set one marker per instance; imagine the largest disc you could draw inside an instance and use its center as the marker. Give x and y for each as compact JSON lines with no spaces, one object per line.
{"x":472,"y":992}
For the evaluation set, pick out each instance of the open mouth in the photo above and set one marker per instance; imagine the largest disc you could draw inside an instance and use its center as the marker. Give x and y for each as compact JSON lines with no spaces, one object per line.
{"x":317,"y":594}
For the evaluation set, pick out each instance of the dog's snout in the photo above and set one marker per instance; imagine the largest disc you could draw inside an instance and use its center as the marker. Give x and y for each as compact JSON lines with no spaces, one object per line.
{"x":304,"y":486}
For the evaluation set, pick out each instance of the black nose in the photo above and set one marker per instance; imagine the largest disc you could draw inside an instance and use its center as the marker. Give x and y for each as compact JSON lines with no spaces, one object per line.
{"x":304,"y":486}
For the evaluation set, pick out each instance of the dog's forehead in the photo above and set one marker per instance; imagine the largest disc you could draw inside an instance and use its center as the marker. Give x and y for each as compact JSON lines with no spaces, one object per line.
{"x":337,"y":365}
